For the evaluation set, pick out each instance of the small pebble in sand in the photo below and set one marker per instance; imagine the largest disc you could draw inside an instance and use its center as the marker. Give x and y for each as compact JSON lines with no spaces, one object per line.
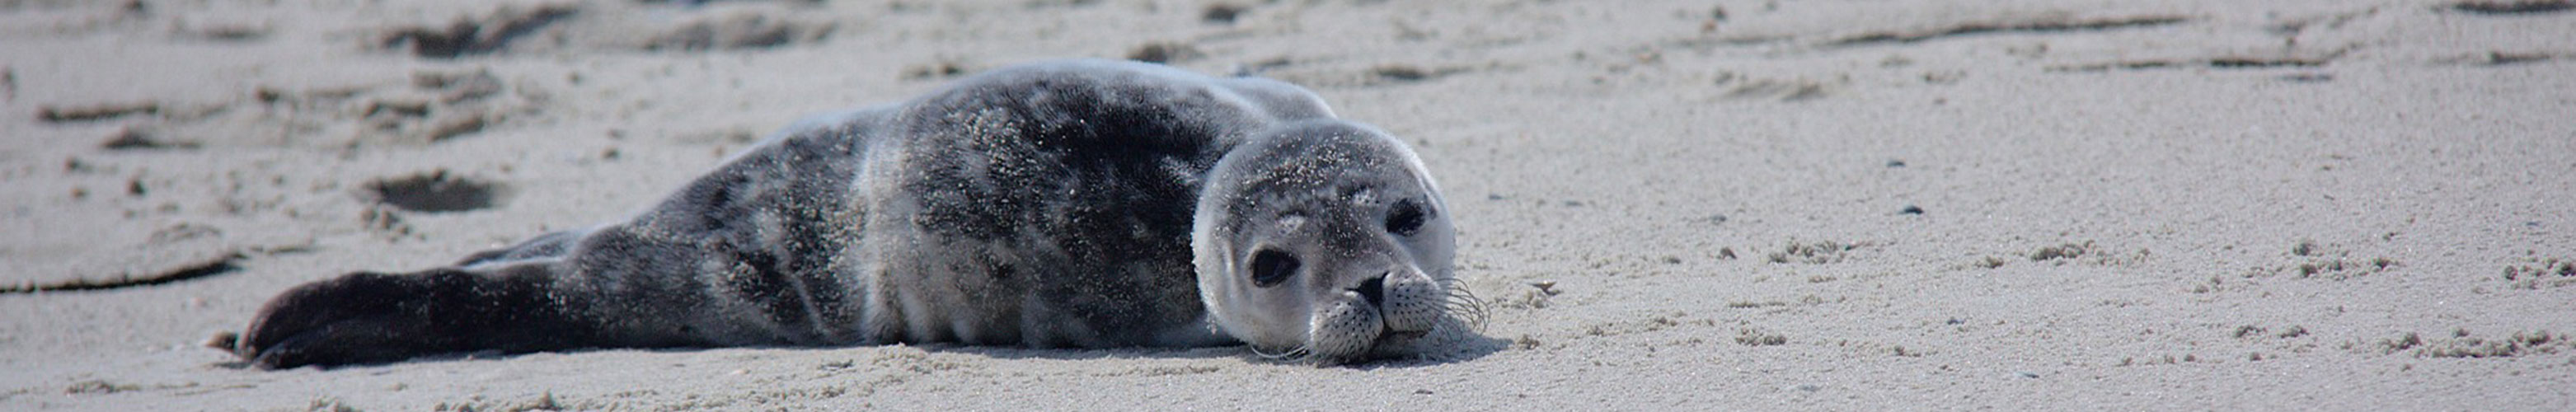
{"x":1221,"y":13}
{"x":1911,"y":210}
{"x":1545,"y":286}
{"x":221,"y":340}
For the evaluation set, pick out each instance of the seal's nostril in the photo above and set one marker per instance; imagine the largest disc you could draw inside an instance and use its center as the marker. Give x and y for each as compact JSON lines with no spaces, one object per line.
{"x":1374,"y":290}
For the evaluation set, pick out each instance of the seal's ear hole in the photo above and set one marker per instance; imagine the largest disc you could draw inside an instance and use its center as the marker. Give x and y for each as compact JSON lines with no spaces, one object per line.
{"x":1271,"y":266}
{"x":1405,"y":218}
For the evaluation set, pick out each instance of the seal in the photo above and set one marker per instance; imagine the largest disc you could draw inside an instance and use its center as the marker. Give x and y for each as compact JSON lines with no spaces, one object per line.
{"x":1069,"y":204}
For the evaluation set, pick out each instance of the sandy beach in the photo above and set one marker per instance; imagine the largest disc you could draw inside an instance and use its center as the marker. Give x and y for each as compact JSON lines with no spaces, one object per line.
{"x":1669,"y":205}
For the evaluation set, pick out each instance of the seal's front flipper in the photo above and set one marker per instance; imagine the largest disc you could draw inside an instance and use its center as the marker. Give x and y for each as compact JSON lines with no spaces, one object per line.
{"x":365,"y":318}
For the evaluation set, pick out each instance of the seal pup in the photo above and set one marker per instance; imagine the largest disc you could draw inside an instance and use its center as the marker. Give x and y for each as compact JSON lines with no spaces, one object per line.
{"x":1070,"y":204}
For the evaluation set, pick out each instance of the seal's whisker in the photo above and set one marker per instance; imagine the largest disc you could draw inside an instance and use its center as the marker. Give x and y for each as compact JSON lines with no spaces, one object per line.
{"x":1465,"y":298}
{"x":1465,"y":306}
{"x":1463,"y":303}
{"x":1292,"y":354}
{"x":1468,"y":316}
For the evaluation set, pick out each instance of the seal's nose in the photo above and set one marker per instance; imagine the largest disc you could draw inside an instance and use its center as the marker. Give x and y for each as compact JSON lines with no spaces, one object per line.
{"x":1373,"y":289}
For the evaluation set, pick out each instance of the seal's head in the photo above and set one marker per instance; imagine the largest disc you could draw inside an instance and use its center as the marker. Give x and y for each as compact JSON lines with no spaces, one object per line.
{"x":1326,"y":240}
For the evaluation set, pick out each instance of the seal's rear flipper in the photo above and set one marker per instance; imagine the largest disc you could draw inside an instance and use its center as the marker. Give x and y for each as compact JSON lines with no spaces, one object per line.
{"x":549,"y":245}
{"x":364,"y":318}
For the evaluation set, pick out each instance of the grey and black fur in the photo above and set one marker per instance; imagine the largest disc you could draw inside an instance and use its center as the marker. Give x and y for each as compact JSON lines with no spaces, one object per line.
{"x":1052,"y":205}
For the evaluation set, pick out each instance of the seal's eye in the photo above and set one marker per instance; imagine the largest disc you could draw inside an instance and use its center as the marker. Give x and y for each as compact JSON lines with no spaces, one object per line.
{"x":1271,"y":266}
{"x":1405,"y":218}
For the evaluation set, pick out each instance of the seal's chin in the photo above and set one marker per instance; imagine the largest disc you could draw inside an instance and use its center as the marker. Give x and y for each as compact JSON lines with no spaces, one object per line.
{"x":1386,"y":345}
{"x":1392,"y":344}
{"x":1451,"y":335}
